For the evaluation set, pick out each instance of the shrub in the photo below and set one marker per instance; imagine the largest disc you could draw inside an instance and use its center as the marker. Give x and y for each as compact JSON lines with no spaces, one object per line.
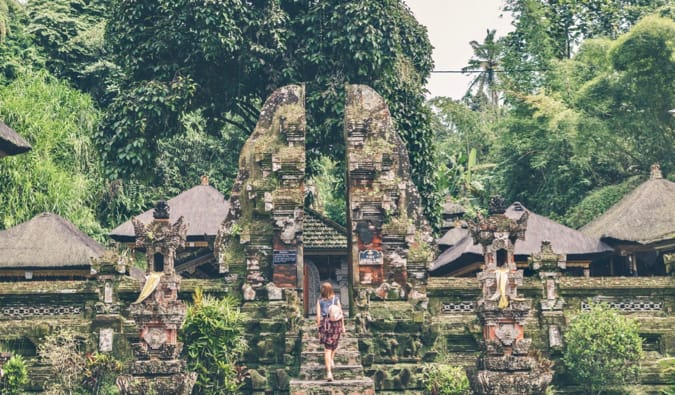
{"x":15,"y":376}
{"x":213,"y":334}
{"x":603,"y":348}
{"x":443,"y":379}
{"x":101,"y":371}
{"x":61,"y":351}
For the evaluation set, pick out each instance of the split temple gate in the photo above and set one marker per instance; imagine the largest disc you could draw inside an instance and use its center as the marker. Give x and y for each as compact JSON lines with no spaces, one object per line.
{"x":388,"y":238}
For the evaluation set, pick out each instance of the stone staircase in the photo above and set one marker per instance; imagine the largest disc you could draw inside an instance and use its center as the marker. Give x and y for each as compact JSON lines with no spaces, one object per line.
{"x":348,"y":374}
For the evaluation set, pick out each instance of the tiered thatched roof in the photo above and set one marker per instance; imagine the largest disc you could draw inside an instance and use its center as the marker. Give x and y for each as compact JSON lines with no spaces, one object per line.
{"x":10,"y":142}
{"x":454,"y":235}
{"x":574,"y":244}
{"x":203,"y":208}
{"x":646,"y":215}
{"x":46,"y":241}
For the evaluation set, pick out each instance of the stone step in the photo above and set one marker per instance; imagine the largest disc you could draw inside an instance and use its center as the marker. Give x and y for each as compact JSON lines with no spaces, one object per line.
{"x":342,"y":357}
{"x":363,"y":386}
{"x":345,"y":343}
{"x":317,"y":371}
{"x":350,"y":327}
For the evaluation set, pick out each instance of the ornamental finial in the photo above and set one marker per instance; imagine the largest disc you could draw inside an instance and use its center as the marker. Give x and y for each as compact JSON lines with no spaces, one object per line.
{"x":161,"y":210}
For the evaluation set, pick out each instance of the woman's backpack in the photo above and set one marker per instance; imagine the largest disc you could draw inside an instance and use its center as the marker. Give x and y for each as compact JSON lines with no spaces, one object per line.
{"x":334,"y":311}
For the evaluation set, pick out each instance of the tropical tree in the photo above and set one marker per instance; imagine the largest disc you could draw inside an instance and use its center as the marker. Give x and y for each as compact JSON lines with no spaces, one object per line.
{"x":222,"y":59}
{"x":70,"y":35}
{"x":485,"y":63}
{"x":464,"y":140}
{"x":62,"y":173}
{"x":602,"y":119}
{"x":62,"y":352}
{"x":552,"y":30}
{"x":17,"y":52}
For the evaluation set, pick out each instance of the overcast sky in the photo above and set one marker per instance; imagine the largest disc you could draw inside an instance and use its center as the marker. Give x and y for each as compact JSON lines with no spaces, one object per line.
{"x":451,"y":25}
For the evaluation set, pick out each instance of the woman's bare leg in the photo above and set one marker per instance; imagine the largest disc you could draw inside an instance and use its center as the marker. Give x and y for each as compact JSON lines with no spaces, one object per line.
{"x":327,"y":360}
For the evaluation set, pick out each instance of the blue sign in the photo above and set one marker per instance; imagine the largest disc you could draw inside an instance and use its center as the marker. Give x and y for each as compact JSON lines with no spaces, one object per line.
{"x":370,"y":257}
{"x":284,"y":256}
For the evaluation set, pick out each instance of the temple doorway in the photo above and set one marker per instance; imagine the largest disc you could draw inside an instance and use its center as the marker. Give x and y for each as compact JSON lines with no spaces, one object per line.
{"x":320,"y":268}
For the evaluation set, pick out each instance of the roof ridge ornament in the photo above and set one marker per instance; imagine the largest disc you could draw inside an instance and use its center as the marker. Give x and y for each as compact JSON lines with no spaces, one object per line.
{"x":496,"y":205}
{"x":161,"y":210}
{"x":656,"y":172}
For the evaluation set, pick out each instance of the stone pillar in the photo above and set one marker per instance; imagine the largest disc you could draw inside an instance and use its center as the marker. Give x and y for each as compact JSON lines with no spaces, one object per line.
{"x":108,"y":320}
{"x":390,"y":240}
{"x":504,"y":366}
{"x":549,"y":266}
{"x":262,"y":233}
{"x":159,"y":313}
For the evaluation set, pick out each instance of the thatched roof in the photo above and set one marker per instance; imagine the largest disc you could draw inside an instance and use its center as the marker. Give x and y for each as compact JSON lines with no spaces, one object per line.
{"x":564,"y":240}
{"x":46,"y":241}
{"x":10,"y":141}
{"x":203,"y":209}
{"x":646,"y":215}
{"x":454,"y":235}
{"x":320,"y":233}
{"x":451,"y":208}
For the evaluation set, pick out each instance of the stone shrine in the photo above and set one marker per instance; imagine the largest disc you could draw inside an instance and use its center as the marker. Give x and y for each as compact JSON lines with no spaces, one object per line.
{"x":158,"y":313}
{"x":504,"y":366}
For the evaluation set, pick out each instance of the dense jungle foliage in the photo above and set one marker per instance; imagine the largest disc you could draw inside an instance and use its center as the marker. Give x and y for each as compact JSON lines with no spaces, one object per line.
{"x":126,"y":102}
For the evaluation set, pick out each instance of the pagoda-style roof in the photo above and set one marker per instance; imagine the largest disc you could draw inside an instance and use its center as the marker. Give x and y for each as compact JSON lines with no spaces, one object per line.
{"x":203,"y":209}
{"x":451,"y":208}
{"x":10,"y":141}
{"x":645,"y":216}
{"x":320,"y":233}
{"x":574,"y":244}
{"x":454,"y":235}
{"x":47,"y":241}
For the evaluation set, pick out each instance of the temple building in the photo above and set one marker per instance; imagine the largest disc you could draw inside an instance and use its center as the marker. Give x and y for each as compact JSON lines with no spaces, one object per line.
{"x":464,"y":258}
{"x":10,"y":142}
{"x":640,"y":228}
{"x":203,"y":208}
{"x":47,"y":247}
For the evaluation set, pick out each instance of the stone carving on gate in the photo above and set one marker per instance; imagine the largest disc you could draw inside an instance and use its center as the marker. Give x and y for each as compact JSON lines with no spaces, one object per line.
{"x":390,"y":238}
{"x":262,"y":232}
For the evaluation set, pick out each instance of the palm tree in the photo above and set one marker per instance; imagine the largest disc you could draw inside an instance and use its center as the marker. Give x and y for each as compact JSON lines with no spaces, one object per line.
{"x":485,"y":63}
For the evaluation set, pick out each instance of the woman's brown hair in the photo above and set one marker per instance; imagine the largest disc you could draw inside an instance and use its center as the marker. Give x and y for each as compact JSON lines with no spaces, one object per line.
{"x":327,"y":290}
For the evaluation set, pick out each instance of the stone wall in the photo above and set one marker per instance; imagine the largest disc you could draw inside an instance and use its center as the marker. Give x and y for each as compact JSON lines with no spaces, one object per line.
{"x":648,"y":300}
{"x":396,"y":341}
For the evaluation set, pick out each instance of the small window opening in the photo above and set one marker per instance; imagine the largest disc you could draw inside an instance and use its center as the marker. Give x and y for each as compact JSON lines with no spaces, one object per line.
{"x":501,"y":257}
{"x":159,"y":262}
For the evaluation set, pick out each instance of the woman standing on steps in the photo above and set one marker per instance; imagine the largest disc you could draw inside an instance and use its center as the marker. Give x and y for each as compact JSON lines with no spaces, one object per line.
{"x":329,"y":330}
